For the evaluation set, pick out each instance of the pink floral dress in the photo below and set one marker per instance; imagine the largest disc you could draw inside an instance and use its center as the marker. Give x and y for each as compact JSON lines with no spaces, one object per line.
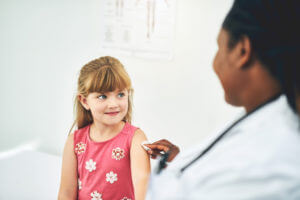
{"x":104,"y":167}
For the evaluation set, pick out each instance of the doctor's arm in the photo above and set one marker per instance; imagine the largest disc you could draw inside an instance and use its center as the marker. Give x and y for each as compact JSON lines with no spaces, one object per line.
{"x":140,"y":165}
{"x":68,"y":184}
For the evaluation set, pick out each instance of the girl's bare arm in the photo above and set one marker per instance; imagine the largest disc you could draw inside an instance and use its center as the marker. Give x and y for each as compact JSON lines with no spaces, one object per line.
{"x":68,"y":183}
{"x":140,"y":165}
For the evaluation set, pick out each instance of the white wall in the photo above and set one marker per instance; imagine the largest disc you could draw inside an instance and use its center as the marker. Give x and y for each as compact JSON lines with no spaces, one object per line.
{"x":43,"y":45}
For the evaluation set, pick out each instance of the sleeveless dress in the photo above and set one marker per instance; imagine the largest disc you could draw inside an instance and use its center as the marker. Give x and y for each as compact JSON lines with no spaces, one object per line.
{"x":104,"y":167}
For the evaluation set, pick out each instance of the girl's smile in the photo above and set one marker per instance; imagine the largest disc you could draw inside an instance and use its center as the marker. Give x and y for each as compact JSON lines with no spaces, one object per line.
{"x":112,"y":113}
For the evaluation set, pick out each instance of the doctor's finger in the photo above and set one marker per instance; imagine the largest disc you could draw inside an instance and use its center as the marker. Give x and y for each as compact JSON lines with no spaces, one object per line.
{"x":168,"y":145}
{"x":163,"y":142}
{"x":172,"y":150}
{"x":153,"y":151}
{"x":164,"y":145}
{"x":158,"y":147}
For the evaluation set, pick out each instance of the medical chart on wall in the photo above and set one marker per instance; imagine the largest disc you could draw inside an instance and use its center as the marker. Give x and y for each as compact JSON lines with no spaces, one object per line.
{"x":140,"y":28}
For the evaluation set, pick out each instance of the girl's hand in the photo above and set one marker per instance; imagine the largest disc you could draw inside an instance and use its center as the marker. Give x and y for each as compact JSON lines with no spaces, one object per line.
{"x":162,"y":145}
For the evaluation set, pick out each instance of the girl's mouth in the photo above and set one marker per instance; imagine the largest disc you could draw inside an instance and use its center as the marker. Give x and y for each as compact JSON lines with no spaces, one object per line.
{"x":112,"y":113}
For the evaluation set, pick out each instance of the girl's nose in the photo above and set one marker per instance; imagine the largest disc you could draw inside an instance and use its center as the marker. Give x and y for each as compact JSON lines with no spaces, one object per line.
{"x":112,"y":103}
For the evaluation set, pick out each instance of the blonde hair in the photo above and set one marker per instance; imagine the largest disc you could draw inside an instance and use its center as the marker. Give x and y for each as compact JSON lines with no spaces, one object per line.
{"x":104,"y":74}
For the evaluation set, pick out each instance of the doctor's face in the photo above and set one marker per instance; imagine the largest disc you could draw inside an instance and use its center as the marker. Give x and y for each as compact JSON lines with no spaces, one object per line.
{"x":224,"y":65}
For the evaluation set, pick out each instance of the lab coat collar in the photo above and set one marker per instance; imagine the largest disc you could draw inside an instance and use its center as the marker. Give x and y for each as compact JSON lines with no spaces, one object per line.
{"x":277,"y":109}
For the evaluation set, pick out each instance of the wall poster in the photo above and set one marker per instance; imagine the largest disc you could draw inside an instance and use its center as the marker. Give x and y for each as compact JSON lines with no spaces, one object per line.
{"x":141,"y":28}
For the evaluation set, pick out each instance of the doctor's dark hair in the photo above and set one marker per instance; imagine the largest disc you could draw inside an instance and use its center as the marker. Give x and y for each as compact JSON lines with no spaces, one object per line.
{"x":273,"y":27}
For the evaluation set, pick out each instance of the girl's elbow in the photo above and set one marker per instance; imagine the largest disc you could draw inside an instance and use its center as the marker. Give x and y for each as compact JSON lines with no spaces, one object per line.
{"x":142,"y":179}
{"x":67,"y":195}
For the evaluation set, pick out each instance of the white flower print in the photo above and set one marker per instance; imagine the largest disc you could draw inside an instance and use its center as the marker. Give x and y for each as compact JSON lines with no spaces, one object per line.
{"x":118,"y":153}
{"x":96,"y":195}
{"x":79,"y":185}
{"x":111,"y":177}
{"x":90,"y":165}
{"x":125,"y":198}
{"x":80,"y":148}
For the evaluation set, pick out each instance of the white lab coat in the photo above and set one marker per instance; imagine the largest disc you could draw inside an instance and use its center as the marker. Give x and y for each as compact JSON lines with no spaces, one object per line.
{"x":259,"y":159}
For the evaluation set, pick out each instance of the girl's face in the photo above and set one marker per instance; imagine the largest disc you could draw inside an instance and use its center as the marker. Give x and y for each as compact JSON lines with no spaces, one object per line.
{"x":108,"y":108}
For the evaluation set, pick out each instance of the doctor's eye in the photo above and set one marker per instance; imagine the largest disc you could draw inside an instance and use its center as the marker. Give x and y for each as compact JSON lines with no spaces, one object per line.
{"x":102,"y":97}
{"x":121,"y":94}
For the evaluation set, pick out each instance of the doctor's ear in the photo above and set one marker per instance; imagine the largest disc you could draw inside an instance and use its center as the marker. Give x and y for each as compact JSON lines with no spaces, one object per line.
{"x":83,"y":101}
{"x":244,"y":52}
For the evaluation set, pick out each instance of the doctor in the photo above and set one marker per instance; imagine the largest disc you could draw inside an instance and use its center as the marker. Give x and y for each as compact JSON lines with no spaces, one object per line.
{"x":257,"y":156}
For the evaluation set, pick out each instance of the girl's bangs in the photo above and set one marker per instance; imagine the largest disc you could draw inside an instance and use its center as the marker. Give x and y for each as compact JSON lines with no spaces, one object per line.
{"x":108,"y":79}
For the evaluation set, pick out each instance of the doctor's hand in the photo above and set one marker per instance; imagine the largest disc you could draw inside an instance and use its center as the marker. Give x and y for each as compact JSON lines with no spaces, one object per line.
{"x":163,"y":145}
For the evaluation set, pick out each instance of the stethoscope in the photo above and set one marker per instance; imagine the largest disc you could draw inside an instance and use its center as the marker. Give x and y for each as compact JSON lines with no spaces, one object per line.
{"x":165,"y":156}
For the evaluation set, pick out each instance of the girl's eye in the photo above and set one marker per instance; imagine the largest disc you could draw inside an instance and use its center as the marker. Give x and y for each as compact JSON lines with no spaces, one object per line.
{"x":121,"y":94}
{"x":102,"y":96}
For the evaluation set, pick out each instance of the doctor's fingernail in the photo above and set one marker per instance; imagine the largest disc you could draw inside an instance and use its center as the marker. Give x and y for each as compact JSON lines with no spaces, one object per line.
{"x":144,"y":146}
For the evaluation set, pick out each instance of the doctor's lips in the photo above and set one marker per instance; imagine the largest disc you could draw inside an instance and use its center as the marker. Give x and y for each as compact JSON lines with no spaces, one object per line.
{"x":112,"y":113}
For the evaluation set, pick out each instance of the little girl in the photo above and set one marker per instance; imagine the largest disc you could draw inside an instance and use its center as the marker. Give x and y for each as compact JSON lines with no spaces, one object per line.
{"x":103,"y":159}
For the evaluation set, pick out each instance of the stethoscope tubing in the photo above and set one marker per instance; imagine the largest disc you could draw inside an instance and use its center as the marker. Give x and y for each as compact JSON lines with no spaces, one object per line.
{"x":208,"y":148}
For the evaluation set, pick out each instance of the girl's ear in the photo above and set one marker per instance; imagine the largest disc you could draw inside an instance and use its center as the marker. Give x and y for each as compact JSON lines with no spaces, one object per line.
{"x":83,"y":101}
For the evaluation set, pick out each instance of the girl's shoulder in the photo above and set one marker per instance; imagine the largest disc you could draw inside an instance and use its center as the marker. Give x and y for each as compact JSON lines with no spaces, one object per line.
{"x":81,"y":133}
{"x":82,"y":130}
{"x":127,"y":134}
{"x":137,"y":135}
{"x":130,"y":129}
